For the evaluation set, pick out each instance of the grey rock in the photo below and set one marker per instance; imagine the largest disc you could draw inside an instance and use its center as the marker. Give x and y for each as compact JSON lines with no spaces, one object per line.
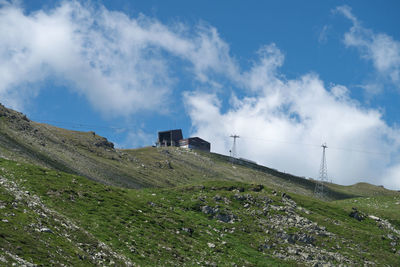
{"x":305,"y":256}
{"x":211,"y":245}
{"x":208,"y":210}
{"x":357,"y":215}
{"x":305,"y":238}
{"x":188,"y":230}
{"x":257,"y":188}
{"x":46,"y":230}
{"x":265,"y":246}
{"x":103,"y":142}
{"x":217,"y":198}
{"x":239,"y":197}
{"x":226,"y":218}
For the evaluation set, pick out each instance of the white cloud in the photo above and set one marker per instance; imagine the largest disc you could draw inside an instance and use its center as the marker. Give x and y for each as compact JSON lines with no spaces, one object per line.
{"x":323,"y":34}
{"x":380,"y":48}
{"x":392,"y":176}
{"x":123,"y":65}
{"x":137,"y":138}
{"x":119,"y":63}
{"x":278,"y":125}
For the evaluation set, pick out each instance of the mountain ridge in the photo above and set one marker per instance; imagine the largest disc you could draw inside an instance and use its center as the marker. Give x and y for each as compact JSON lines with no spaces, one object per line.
{"x":93,"y":156}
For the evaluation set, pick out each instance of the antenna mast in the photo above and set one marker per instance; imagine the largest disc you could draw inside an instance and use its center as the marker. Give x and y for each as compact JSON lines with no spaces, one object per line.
{"x":233,"y":150}
{"x":323,"y":175}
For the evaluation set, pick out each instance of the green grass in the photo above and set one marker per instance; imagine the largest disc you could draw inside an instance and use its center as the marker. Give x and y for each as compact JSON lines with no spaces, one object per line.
{"x":149,"y":226}
{"x":122,"y":218}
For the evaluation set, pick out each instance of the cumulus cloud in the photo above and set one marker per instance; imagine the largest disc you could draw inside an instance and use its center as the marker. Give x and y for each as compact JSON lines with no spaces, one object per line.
{"x":120,"y":64}
{"x":282,"y":125}
{"x":124,"y":64}
{"x":379,"y":48}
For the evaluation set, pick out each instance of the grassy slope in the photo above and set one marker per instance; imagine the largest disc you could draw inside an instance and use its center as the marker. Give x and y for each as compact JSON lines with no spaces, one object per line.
{"x":151,"y":226}
{"x":87,"y":154}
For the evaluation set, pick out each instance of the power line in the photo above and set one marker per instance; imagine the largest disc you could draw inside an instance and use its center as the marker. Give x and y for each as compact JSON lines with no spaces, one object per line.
{"x":279,"y":141}
{"x":314,"y":145}
{"x":359,"y":151}
{"x":233,"y":151}
{"x":84,"y":125}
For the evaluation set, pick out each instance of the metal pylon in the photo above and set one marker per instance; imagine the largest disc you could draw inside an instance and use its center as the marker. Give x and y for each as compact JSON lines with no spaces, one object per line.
{"x":323,"y":175}
{"x":233,"y":150}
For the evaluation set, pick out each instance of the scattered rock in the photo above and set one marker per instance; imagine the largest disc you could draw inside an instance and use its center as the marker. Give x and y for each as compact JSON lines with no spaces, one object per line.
{"x":218,"y":215}
{"x":357,"y":215}
{"x":391,"y":237}
{"x":239,"y":197}
{"x":292,"y":238}
{"x":188,"y":230}
{"x":257,"y":188}
{"x":303,"y":210}
{"x":45,"y":230}
{"x":152,"y":204}
{"x":208,"y":210}
{"x":235,"y":188}
{"x":262,"y":247}
{"x":217,"y":198}
{"x":226,"y":218}
{"x":374,"y":218}
{"x":211,"y":245}
{"x":306,"y":256}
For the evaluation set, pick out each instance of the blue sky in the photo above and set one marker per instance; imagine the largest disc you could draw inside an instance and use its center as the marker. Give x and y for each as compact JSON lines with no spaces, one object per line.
{"x":284,"y":75}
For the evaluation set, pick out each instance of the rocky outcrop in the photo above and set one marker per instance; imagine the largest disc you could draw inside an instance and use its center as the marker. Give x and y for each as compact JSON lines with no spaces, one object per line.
{"x":357,"y":214}
{"x":103,"y":142}
{"x":220,"y":215}
{"x":289,"y":235}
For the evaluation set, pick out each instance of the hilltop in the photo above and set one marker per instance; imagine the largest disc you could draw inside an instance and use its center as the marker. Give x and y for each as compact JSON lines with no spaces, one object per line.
{"x":72,"y":198}
{"x":93,"y":156}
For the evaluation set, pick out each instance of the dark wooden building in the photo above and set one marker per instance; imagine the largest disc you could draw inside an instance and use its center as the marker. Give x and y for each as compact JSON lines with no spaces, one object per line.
{"x":169,"y":138}
{"x":195,"y":143}
{"x":175,"y":138}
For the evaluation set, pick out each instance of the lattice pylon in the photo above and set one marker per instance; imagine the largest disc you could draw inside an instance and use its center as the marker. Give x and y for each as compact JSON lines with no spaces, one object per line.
{"x":233,"y":150}
{"x":323,"y":175}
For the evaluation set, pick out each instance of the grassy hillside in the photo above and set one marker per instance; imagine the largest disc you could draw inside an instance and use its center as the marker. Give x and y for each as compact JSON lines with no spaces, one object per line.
{"x":175,"y":207}
{"x":48,"y":217}
{"x":93,"y":156}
